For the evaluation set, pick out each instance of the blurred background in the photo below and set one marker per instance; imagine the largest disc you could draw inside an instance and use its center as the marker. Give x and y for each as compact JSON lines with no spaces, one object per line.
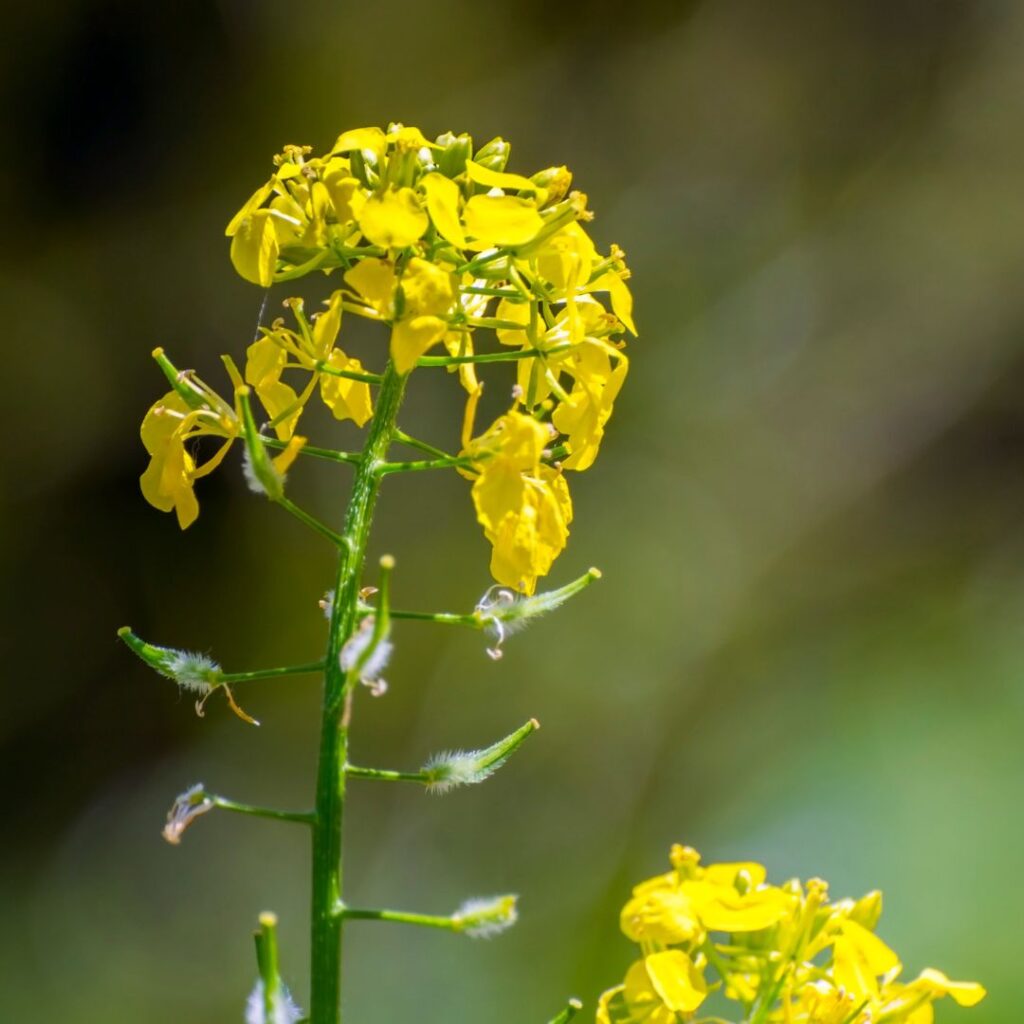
{"x":809,"y":508}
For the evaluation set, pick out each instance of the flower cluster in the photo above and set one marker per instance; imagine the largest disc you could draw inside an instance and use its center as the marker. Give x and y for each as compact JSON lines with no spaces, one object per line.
{"x":784,"y":953}
{"x":435,"y":240}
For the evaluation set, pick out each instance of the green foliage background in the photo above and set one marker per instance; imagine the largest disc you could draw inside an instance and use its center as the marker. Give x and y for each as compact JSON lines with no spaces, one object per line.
{"x":807,"y":646}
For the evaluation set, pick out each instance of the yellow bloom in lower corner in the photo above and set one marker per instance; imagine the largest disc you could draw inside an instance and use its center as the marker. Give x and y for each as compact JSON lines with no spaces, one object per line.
{"x":522,"y":504}
{"x":656,"y":990}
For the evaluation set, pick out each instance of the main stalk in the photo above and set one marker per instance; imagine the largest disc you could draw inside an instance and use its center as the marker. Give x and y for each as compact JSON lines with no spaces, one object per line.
{"x":325,"y":997}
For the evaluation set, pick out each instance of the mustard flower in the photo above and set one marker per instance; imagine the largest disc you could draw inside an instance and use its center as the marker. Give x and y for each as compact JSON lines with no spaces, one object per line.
{"x":785,"y":953}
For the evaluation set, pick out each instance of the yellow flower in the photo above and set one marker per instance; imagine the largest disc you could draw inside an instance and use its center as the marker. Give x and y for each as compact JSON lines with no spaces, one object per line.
{"x":428,"y":293}
{"x":656,"y":990}
{"x":523,"y":505}
{"x":191,"y":411}
{"x":310,"y":349}
{"x":786,"y":953}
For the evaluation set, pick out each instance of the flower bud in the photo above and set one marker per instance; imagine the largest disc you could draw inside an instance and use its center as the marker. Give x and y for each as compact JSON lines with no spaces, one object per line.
{"x":555,"y":181}
{"x":867,"y":910}
{"x":457,"y":149}
{"x":494,"y":154}
{"x":485,"y":918}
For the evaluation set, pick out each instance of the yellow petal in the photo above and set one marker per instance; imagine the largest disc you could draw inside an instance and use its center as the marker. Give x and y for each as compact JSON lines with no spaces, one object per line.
{"x":722,"y":908}
{"x":966,"y":993}
{"x":514,"y":312}
{"x":621,"y":298}
{"x":427,"y":289}
{"x":278,"y":399}
{"x":252,"y":203}
{"x":665,"y":916}
{"x":677,"y":981}
{"x":264,"y":362}
{"x":347,"y":195}
{"x":373,"y":280}
{"x":254,"y":248}
{"x":283,"y":462}
{"x":393,"y":219}
{"x":502,"y":220}
{"x":162,"y":420}
{"x":359,"y":138}
{"x":443,"y":206}
{"x":498,"y":179}
{"x":412,"y":336}
{"x":347,"y":399}
{"x":327,"y":325}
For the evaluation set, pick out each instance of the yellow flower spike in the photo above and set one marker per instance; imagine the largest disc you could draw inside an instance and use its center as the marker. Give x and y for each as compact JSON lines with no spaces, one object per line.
{"x":254,"y":248}
{"x":443,"y":206}
{"x":502,"y":220}
{"x":374,"y":281}
{"x":498,"y":179}
{"x":393,"y":219}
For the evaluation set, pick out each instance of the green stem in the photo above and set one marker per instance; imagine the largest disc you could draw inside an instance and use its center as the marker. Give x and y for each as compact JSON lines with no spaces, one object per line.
{"x":445,"y":618}
{"x":272,"y":673}
{"x":318,"y":453}
{"x":445,"y":922}
{"x":574,"y":1006}
{"x":414,"y":442}
{"x":417,"y":465}
{"x":364,"y":378}
{"x":493,"y":357}
{"x":385,"y":775}
{"x":325,"y":1003}
{"x":303,"y":817}
{"x":311,"y":521}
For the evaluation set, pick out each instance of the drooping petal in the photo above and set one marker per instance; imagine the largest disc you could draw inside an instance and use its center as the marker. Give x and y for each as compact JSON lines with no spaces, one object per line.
{"x":443,"y":206}
{"x":254,"y":248}
{"x":412,"y":336}
{"x":347,"y":399}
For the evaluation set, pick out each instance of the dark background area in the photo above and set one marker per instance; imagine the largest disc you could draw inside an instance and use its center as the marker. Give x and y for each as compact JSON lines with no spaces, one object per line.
{"x":807,"y":645}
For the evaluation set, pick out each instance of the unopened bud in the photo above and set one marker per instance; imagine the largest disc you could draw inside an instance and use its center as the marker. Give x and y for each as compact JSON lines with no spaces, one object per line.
{"x":451,"y":160}
{"x":867,"y":910}
{"x":494,"y":154}
{"x":555,"y":181}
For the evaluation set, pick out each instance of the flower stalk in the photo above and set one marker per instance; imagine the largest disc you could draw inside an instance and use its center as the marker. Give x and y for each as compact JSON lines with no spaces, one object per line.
{"x":442,"y":246}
